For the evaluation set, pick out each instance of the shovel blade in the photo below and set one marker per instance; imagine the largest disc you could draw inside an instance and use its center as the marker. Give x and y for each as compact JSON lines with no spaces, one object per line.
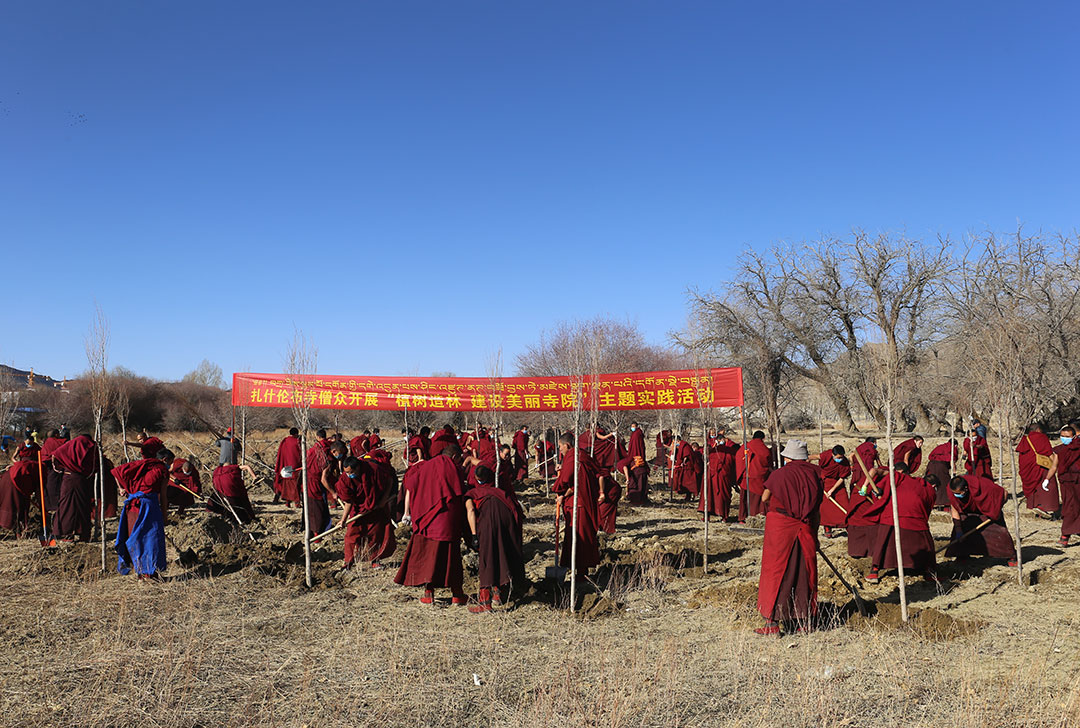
{"x":558,"y":573}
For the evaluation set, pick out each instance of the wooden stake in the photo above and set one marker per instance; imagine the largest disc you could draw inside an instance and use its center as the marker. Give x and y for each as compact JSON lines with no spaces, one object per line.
{"x":307,"y":533}
{"x":1016,"y":505}
{"x":892,"y":500}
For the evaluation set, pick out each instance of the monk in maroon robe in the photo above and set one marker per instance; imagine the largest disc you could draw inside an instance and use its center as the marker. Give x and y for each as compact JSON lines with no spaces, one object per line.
{"x":608,"y":503}
{"x":442,"y":439}
{"x":588,"y":494}
{"x":495,"y":519}
{"x":861,"y":527}
{"x":787,"y":588}
{"x":76,"y":461}
{"x":973,"y":501}
{"x":230,"y":490}
{"x":835,"y":473}
{"x":27,"y":451}
{"x":914,"y":503}
{"x":722,"y":474}
{"x":977,"y":453}
{"x":52,"y":478}
{"x":1068,"y":477}
{"x":545,"y":458}
{"x":359,"y":445}
{"x":289,"y":460}
{"x":18,"y":484}
{"x":664,"y":441}
{"x":938,"y":465}
{"x":434,"y":504}
{"x":753,"y":463}
{"x":322,"y":476}
{"x":1040,"y":486}
{"x":185,"y":485}
{"x":148,"y":445}
{"x":362,"y":487}
{"x":149,"y":476}
{"x":637,"y":487}
{"x":909,"y":452}
{"x":685,"y":476}
{"x":521,"y":454}
{"x":601,"y":446}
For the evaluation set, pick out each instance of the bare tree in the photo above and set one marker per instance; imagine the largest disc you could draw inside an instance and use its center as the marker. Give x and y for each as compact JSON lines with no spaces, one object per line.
{"x":301,"y":362}
{"x":97,"y":358}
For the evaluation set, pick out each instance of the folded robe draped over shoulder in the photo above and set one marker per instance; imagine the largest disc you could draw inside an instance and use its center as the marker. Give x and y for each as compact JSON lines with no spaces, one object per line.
{"x":1032,"y":474}
{"x":17,"y":487}
{"x":288,"y":455}
{"x":787,"y":589}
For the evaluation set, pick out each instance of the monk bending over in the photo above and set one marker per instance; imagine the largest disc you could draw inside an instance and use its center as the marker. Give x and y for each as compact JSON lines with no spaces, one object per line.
{"x":495,"y":520}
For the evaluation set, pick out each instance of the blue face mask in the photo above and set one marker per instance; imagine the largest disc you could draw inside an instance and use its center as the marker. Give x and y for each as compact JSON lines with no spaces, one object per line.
{"x":351,"y":475}
{"x":1066,"y":440}
{"x":633,"y":429}
{"x":837,"y":459}
{"x":960,"y":496}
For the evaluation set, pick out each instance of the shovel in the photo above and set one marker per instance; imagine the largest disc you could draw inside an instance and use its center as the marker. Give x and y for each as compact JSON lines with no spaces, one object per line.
{"x":863,"y":611}
{"x":556,"y":572}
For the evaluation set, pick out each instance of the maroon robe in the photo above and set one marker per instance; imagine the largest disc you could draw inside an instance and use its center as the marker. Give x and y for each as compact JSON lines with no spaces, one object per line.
{"x":901,"y":451}
{"x":178,"y":496}
{"x":26,"y":452}
{"x":359,"y":446}
{"x":1032,"y":475}
{"x":938,"y":465}
{"x":442,"y":439}
{"x":637,"y":488}
{"x":685,"y":472}
{"x":288,"y":455}
{"x":418,"y":443}
{"x":436,"y":504}
{"x":150,"y":447}
{"x":833,"y":514}
{"x":1068,"y":476}
{"x":588,"y":546}
{"x":756,"y":456}
{"x":498,"y":529}
{"x":17,"y":486}
{"x":983,"y":503}
{"x":371,"y":537}
{"x":77,"y":460}
{"x":148,"y":475}
{"x":787,"y":588}
{"x":52,"y":478}
{"x":112,"y":488}
{"x":722,"y":471}
{"x":545,"y":458}
{"x":914,"y":502}
{"x":229,"y":485}
{"x":663,"y":443}
{"x":978,"y":460}
{"x":602,"y":450}
{"x":861,"y":529}
{"x":521,"y":455}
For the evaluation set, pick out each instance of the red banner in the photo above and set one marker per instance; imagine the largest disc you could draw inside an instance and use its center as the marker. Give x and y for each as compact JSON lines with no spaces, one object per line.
{"x":680,"y":389}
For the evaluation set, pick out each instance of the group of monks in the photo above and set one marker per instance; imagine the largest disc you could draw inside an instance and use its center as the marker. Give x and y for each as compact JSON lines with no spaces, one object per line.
{"x":857,"y":496}
{"x":459,"y":487}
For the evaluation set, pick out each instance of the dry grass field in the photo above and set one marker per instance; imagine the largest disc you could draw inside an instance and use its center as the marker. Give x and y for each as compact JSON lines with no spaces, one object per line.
{"x":235,"y":639}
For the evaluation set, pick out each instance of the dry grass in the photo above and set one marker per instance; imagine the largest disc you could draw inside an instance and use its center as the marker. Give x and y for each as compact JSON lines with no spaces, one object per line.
{"x":237,"y":641}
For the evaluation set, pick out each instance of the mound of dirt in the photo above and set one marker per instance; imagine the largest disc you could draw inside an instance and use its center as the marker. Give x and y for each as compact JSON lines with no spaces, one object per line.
{"x":929,"y":624}
{"x":742,"y":595}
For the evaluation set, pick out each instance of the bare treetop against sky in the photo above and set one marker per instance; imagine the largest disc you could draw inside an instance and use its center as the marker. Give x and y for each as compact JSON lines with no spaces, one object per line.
{"x":415,"y":185}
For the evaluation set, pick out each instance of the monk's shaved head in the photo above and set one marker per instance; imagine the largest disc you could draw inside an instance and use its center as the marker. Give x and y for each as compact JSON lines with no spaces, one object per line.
{"x":566,"y":439}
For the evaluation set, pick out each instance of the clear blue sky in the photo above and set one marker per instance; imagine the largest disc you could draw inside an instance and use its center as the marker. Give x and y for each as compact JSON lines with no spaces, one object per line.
{"x":415,"y":184}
